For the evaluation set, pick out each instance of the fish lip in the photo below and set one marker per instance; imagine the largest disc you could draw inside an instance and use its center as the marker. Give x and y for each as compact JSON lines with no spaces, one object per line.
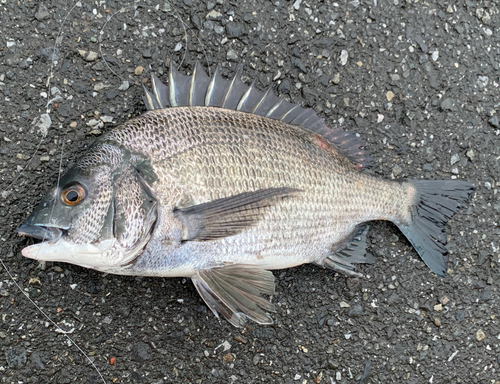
{"x":41,"y":232}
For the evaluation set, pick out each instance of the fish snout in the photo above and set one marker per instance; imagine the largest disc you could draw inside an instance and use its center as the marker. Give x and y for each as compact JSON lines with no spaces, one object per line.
{"x":50,"y":234}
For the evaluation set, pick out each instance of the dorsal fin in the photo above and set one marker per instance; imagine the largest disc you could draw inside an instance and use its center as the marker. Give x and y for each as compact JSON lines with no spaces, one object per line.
{"x":201,"y":90}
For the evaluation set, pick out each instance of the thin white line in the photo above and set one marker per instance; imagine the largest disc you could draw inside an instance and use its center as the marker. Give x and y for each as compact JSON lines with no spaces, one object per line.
{"x":52,"y":322}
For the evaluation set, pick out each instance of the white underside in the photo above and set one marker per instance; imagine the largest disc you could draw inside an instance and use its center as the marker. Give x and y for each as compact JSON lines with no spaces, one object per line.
{"x":84,"y":255}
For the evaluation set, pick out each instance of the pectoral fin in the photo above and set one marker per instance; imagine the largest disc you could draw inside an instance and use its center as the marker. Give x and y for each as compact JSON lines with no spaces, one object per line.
{"x":234,"y":291}
{"x":228,"y":216}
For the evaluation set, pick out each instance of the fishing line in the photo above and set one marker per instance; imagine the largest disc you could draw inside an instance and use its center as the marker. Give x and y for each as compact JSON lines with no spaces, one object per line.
{"x":184,"y":26}
{"x":52,"y":322}
{"x":101,"y":33}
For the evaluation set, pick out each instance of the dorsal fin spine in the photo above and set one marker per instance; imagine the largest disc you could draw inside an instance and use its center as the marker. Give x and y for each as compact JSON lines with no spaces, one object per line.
{"x":173,"y":101}
{"x":191,"y":85}
{"x":211,"y":86}
{"x":160,"y":91}
{"x":290,"y":111}
{"x":245,"y":96}
{"x":149,"y":100}
{"x":236,"y":77}
{"x":276,"y":106}
{"x":261,"y":100}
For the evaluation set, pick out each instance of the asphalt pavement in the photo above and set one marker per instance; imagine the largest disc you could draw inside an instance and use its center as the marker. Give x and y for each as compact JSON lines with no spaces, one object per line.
{"x":418,"y":80}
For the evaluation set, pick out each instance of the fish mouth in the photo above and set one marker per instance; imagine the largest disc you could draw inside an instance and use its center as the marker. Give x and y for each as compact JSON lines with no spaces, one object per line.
{"x":46,"y":234}
{"x":55,"y":247}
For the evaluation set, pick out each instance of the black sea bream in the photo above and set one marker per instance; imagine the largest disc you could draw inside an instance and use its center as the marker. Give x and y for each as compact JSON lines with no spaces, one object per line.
{"x":220,"y":182}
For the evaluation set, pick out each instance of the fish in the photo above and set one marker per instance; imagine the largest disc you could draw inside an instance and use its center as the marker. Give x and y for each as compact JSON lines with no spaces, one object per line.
{"x":222,"y":183}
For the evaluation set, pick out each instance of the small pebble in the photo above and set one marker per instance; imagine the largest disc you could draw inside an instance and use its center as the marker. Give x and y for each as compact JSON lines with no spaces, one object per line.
{"x":42,"y":13}
{"x":228,"y":358}
{"x":438,"y":307}
{"x":389,"y":95}
{"x":235,"y":30}
{"x":480,"y":335}
{"x":344,"y":55}
{"x":494,"y":122}
{"x":240,"y":339}
{"x":214,"y":15}
{"x":99,"y":86}
{"x":140,"y":352}
{"x":356,"y":310}
{"x":470,"y":154}
{"x":209,"y":24}
{"x":106,"y":119}
{"x":138,"y":71}
{"x":231,"y":55}
{"x":43,"y":123}
{"x":397,"y":170}
{"x":88,"y":55}
{"x":15,"y":357}
{"x":256,"y":359}
{"x":437,"y":322}
{"x":124,"y":86}
{"x":284,"y":87}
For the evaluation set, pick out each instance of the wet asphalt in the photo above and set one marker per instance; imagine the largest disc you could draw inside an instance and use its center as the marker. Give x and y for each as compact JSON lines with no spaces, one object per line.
{"x":419,"y":81}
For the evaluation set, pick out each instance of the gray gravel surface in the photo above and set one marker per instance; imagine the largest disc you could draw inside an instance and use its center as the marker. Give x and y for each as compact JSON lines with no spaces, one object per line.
{"x":418,"y":80}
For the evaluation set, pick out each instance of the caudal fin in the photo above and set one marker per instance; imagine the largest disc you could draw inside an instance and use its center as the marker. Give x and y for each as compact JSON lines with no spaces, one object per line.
{"x":435,"y":203}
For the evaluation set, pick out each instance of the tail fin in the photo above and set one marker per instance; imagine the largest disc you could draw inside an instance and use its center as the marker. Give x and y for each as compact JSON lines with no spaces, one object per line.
{"x":435,"y":203}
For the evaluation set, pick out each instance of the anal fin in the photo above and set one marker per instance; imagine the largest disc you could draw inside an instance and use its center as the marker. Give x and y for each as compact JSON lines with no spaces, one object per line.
{"x":234,"y":291}
{"x":355,"y":253}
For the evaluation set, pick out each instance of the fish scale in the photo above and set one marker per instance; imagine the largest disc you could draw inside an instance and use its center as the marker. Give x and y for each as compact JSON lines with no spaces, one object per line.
{"x":221,"y":182}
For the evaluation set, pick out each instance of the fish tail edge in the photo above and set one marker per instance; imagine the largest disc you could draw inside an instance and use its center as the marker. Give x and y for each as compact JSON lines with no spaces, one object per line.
{"x":434,"y":203}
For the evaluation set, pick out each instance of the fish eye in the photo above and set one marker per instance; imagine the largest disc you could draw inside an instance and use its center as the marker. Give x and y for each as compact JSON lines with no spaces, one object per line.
{"x":73,"y":194}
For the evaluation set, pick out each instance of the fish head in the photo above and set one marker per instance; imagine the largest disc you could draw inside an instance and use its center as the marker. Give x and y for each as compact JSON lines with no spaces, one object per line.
{"x":99,"y":216}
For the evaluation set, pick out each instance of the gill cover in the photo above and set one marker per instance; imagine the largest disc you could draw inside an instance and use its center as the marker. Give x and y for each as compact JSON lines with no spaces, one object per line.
{"x":135,"y":213}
